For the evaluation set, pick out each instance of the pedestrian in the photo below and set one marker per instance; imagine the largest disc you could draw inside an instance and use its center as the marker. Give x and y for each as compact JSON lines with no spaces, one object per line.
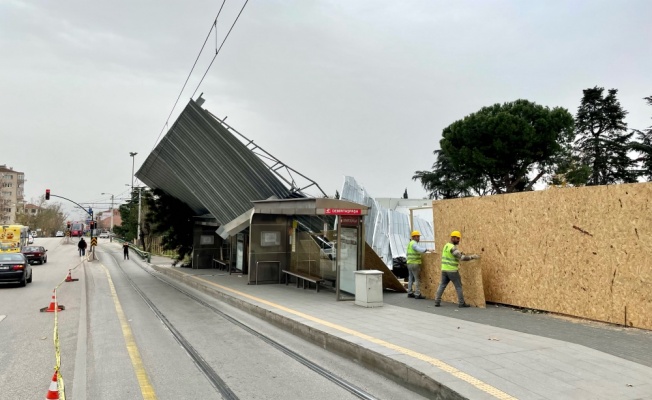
{"x":82,"y":247}
{"x":414,"y":251}
{"x":450,"y":261}
{"x":125,"y":250}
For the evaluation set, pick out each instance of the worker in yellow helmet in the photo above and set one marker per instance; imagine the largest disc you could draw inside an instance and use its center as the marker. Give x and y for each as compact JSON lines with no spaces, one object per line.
{"x":414,"y":251}
{"x":450,"y":260}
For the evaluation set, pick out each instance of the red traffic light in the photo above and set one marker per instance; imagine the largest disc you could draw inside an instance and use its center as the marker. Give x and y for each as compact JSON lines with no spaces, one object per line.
{"x":47,"y":194}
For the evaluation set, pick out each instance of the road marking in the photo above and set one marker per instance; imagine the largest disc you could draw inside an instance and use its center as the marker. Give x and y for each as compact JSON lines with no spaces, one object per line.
{"x":477,"y":383}
{"x":2,"y":317}
{"x":146,"y":388}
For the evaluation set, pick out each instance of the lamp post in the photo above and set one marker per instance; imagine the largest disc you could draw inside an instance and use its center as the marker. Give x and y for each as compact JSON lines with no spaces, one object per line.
{"x":139,"y":202}
{"x":133,"y":163}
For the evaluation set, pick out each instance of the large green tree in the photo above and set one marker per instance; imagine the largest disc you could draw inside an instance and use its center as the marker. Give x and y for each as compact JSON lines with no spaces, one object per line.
{"x":128,"y":229}
{"x":445,"y":182}
{"x":602,"y":141}
{"x":505,"y":147}
{"x":170,"y":218}
{"x":644,"y":147}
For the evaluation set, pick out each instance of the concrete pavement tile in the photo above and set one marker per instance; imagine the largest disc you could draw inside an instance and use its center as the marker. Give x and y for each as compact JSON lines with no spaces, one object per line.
{"x":544,"y":385}
{"x":620,"y":392}
{"x":484,"y":375}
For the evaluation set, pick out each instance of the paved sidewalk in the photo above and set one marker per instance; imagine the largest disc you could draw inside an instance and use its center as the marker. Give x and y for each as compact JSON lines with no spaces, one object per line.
{"x":441,"y":356}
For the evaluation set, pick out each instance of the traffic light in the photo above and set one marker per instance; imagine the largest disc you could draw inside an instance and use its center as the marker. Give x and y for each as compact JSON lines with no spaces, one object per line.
{"x":92,"y":225}
{"x":47,"y":194}
{"x":68,"y":225}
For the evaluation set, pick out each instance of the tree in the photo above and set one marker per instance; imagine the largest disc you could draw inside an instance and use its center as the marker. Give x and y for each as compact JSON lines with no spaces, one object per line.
{"x":502,"y":148}
{"x":445,"y":182}
{"x":170,"y":218}
{"x":644,"y":147}
{"x":49,"y":218}
{"x":602,"y":141}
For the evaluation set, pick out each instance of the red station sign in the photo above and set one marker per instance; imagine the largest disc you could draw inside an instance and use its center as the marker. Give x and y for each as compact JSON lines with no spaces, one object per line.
{"x":342,"y":211}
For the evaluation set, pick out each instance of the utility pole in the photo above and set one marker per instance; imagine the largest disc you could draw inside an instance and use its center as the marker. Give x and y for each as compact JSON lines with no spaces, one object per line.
{"x":111,"y":230}
{"x":138,"y":227}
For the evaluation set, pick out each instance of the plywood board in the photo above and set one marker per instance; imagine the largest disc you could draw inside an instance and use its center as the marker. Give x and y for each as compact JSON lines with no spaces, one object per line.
{"x":585,"y":252}
{"x":470,"y":272}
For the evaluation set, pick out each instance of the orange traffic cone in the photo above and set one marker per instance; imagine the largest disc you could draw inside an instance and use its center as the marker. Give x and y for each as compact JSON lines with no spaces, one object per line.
{"x":69,"y":277}
{"x":53,"y":391}
{"x":53,"y":304}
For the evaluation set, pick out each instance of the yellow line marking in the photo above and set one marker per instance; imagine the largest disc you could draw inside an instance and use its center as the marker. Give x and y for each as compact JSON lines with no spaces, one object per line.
{"x":146,"y":388}
{"x":485,"y":387}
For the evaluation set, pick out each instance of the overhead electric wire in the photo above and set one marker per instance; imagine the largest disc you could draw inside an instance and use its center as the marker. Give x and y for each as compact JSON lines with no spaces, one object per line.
{"x":213,"y":26}
{"x":218,"y":50}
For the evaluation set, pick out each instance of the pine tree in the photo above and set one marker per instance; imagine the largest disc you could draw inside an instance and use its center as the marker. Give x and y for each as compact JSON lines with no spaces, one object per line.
{"x":602,"y":138}
{"x":644,"y":147}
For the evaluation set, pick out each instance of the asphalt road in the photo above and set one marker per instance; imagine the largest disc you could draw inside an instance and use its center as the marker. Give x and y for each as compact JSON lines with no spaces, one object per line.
{"x":116,"y":340}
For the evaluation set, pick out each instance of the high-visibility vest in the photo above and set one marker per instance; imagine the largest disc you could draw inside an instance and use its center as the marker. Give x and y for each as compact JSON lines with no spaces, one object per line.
{"x":413,"y":256}
{"x":448,"y":260}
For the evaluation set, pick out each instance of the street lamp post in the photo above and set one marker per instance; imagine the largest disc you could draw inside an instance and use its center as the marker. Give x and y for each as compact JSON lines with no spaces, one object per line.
{"x":133,"y":163}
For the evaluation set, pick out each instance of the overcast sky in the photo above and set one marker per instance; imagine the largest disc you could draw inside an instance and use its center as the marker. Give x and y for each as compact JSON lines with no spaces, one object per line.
{"x":331,"y":88}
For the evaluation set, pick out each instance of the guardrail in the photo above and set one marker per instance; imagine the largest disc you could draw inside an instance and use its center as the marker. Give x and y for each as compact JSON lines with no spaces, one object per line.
{"x":143,"y":254}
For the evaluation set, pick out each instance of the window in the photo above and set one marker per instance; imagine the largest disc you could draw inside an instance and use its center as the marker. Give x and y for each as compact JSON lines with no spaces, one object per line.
{"x":268,"y":238}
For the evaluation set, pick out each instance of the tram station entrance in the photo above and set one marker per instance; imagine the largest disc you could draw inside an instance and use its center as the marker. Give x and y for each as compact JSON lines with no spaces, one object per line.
{"x":308,"y":240}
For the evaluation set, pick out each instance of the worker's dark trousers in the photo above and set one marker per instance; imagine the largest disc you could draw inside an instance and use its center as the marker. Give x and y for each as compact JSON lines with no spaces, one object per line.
{"x":450,"y":276}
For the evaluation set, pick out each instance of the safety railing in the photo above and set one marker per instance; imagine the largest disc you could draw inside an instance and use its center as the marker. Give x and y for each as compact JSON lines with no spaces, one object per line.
{"x":143,"y":254}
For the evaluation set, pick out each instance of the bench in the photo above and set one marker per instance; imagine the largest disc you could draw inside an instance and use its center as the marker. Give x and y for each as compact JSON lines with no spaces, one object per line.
{"x":220,"y":264}
{"x":301,"y":277}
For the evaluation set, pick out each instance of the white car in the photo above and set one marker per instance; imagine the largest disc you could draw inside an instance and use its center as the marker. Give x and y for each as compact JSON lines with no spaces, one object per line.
{"x":104,"y":235}
{"x":59,"y":234}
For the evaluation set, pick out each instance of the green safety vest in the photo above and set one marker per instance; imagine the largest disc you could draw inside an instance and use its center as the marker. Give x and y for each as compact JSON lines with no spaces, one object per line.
{"x":413,"y":256}
{"x":448,"y":260}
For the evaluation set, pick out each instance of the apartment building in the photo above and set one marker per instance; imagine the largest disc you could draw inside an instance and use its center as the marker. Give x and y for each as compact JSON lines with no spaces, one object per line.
{"x":12,"y":194}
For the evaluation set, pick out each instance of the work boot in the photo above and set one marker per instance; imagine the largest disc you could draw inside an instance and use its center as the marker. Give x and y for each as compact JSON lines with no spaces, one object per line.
{"x":420,"y":297}
{"x":463,"y":305}
{"x":410,"y":294}
{"x":437,"y":304}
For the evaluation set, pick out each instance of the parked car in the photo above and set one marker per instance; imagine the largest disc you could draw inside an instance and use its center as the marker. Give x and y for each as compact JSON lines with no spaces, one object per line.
{"x":36,"y":253}
{"x":30,"y":239}
{"x":15,"y":268}
{"x":104,"y":235}
{"x":59,"y":234}
{"x":34,"y":234}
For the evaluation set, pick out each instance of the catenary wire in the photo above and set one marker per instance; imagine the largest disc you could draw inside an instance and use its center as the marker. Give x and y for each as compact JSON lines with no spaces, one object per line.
{"x":218,"y":50}
{"x":213,"y":26}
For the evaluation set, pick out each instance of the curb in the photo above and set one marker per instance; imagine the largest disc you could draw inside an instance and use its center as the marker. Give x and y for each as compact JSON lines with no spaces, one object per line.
{"x":397,"y":371}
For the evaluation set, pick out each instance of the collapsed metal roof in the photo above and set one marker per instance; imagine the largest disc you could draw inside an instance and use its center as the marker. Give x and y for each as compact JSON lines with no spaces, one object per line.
{"x":203,"y":164}
{"x":388,"y":229}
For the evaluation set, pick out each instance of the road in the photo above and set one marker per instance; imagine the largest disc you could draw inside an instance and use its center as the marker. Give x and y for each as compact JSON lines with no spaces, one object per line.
{"x":128,"y":333}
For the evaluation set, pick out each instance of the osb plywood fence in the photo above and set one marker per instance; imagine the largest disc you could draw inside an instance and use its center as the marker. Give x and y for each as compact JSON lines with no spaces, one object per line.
{"x":585,"y":252}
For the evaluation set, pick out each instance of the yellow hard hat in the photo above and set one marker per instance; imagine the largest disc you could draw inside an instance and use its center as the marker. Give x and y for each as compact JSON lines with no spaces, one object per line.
{"x":456,"y":234}
{"x":415,"y":233}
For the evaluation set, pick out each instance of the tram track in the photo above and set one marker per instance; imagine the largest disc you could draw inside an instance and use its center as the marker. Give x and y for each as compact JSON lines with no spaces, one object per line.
{"x":211,"y":375}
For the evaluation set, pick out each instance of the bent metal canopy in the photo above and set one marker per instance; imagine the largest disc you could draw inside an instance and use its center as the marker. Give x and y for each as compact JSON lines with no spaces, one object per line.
{"x":200,"y":162}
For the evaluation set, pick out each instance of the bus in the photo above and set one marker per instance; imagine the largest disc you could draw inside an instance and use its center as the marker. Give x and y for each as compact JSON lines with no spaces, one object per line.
{"x":77,"y":229}
{"x":13,"y":238}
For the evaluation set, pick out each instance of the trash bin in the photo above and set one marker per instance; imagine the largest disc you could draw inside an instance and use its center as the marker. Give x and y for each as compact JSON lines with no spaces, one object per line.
{"x":369,"y":288}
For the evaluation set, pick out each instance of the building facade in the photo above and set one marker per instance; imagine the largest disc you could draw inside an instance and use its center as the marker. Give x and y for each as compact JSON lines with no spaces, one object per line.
{"x":11,"y":194}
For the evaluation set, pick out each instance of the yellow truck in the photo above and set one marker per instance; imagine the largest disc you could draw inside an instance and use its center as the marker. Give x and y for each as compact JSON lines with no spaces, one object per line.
{"x":13,"y":238}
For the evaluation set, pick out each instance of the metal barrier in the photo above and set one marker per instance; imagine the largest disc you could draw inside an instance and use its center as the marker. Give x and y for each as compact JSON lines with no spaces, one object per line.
{"x":143,"y":254}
